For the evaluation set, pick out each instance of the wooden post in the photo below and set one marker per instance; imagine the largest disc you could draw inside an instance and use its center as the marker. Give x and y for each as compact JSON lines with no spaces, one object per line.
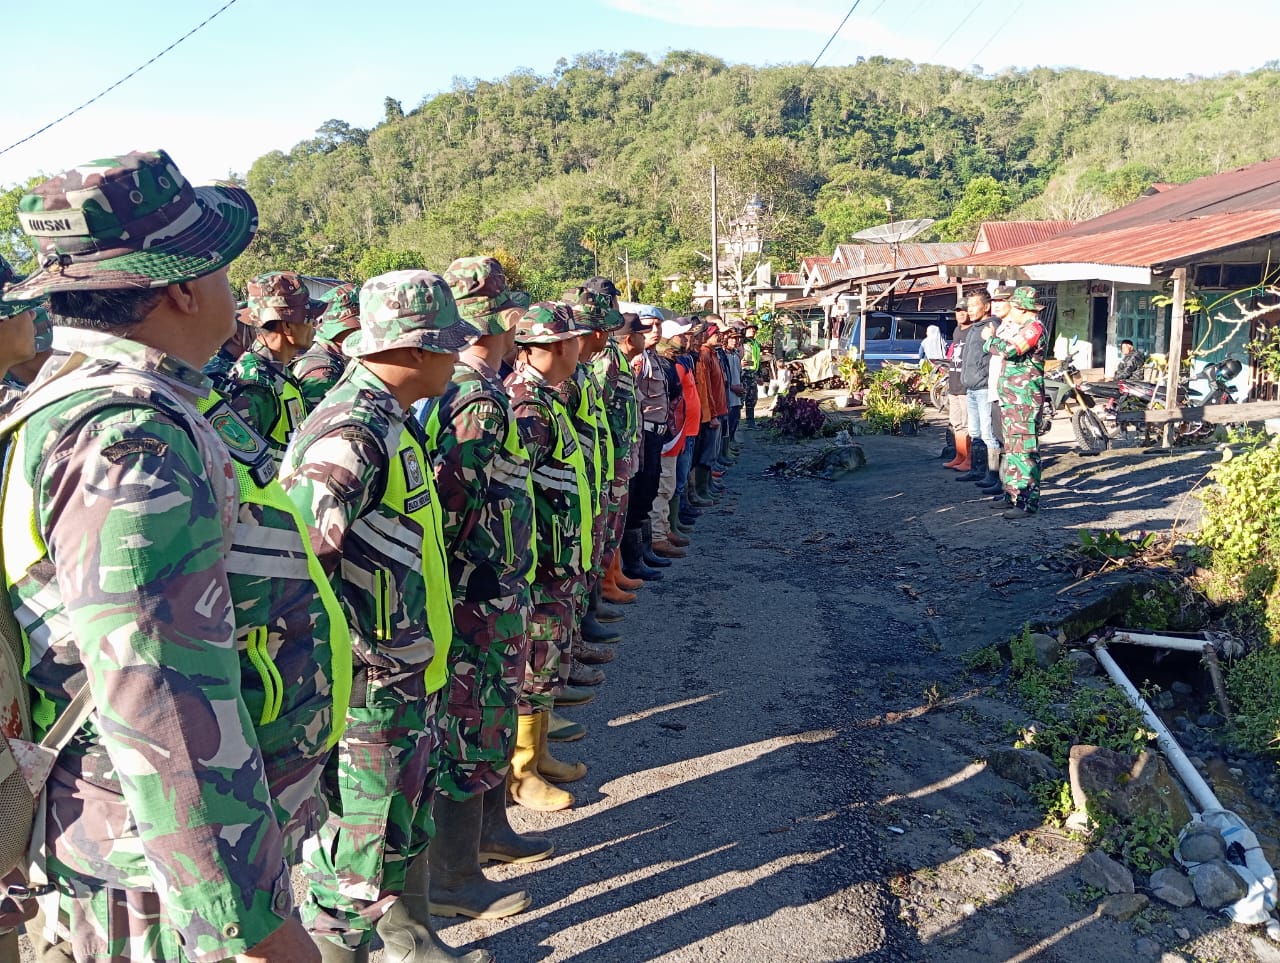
{"x":1175,"y":350}
{"x":715,"y":246}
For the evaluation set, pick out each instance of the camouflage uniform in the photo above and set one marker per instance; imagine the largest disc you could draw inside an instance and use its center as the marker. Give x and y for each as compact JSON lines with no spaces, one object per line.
{"x":486,"y":499}
{"x":318,"y":368}
{"x":261,"y":388}
{"x":359,"y":472}
{"x":1021,"y":390}
{"x":11,"y":387}
{"x":623,"y":414}
{"x":171,"y":814}
{"x":219,"y":368}
{"x":562,"y":509}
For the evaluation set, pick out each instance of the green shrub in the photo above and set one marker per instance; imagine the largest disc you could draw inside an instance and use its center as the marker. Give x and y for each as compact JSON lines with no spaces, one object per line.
{"x":1253,"y":683}
{"x":1240,"y":511}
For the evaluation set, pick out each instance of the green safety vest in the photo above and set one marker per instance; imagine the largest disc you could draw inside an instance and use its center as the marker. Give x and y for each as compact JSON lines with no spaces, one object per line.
{"x":258,"y":485}
{"x":592,"y":415}
{"x":411,"y":493}
{"x":518,"y":454}
{"x":567,"y":461}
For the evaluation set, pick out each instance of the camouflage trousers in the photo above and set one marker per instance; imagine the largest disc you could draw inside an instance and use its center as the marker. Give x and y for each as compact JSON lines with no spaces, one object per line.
{"x":615,"y":516}
{"x":551,"y":629}
{"x":103,"y":921}
{"x":1021,"y":473}
{"x":750,"y":394}
{"x":478,"y":716}
{"x":379,"y":786}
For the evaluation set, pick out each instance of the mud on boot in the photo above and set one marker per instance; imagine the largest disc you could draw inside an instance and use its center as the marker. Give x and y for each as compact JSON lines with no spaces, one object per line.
{"x":457,"y":886}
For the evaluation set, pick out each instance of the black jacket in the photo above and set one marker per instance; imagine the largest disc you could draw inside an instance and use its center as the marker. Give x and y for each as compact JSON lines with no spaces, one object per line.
{"x":975,"y":362}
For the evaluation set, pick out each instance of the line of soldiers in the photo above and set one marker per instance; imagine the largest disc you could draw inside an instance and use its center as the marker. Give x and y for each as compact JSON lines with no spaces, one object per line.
{"x":323,"y":595}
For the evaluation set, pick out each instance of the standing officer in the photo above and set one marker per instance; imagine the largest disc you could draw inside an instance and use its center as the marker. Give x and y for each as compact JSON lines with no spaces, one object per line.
{"x":548,"y":337}
{"x":750,"y":373}
{"x":318,"y":369}
{"x":486,"y":501}
{"x":261,"y":388}
{"x":1021,"y":389}
{"x":17,"y":338}
{"x":164,"y":841}
{"x":358,"y":470}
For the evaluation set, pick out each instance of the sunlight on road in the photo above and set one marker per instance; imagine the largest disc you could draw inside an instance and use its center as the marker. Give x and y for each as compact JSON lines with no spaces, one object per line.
{"x":669,"y":707}
{"x":968,"y":772}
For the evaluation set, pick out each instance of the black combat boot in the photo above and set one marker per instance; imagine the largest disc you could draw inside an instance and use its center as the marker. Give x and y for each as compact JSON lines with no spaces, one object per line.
{"x":978,"y":461}
{"x":499,"y":843}
{"x":457,"y":885}
{"x":646,"y":541}
{"x":633,"y":560}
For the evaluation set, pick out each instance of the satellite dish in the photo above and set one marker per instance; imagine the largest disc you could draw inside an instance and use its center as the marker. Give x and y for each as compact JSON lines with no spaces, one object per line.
{"x":894,"y":231}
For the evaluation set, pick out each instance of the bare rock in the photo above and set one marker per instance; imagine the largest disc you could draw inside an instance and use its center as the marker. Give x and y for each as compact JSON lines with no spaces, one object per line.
{"x":1217,"y":884}
{"x":1083,"y":664}
{"x":1202,"y":844}
{"x":1100,"y":871}
{"x":1048,"y":649}
{"x":1124,"y":785}
{"x":1173,"y":887}
{"x":1123,"y":906}
{"x":1264,"y":950}
{"x":1023,"y":767}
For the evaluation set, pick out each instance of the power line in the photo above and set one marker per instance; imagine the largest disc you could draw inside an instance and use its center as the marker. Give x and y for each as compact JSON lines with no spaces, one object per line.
{"x":132,"y":73}
{"x":967,"y":16}
{"x":832,"y":38}
{"x":999,"y":30}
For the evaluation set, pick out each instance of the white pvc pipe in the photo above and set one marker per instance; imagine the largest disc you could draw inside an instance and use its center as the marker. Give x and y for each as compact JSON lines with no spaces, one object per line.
{"x":1159,"y":641}
{"x":1164,"y":739}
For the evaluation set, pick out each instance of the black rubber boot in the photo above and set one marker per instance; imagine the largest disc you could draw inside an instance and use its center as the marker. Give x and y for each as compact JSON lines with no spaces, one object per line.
{"x":978,"y":459}
{"x":688,"y":513}
{"x":991,"y":481}
{"x":409,"y":940}
{"x":949,"y":447}
{"x":650,"y":558}
{"x":633,"y":561}
{"x":592,"y":630}
{"x":603,"y":610}
{"x":457,"y":886}
{"x":499,"y":843}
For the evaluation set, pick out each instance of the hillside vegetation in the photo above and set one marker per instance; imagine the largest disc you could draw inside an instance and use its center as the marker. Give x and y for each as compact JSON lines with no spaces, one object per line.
{"x":608,"y":158}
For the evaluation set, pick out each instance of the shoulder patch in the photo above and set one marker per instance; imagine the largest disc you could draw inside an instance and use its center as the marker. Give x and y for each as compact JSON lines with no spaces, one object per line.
{"x":135,"y":446}
{"x":237,"y":435}
{"x":413,"y":476}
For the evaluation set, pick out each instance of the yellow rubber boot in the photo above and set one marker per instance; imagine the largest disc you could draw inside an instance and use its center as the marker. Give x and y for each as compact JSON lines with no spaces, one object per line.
{"x":549,"y":767}
{"x":528,"y":788}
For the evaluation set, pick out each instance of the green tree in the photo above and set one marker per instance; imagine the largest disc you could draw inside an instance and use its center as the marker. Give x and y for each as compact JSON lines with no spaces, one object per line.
{"x":15,"y":246}
{"x":985,"y":199}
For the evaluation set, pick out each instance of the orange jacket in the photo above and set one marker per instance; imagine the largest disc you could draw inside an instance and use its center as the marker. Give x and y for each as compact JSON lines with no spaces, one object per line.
{"x":709,"y":368}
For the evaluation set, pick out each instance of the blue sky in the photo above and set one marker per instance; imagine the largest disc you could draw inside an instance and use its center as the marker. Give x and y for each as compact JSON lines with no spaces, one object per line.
{"x":266,"y":73}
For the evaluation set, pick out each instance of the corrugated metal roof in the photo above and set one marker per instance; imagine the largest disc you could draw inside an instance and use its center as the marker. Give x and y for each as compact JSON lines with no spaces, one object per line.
{"x":789,"y":279}
{"x":1252,"y":188}
{"x":1140,"y":245}
{"x":808,"y":263}
{"x":998,"y":235}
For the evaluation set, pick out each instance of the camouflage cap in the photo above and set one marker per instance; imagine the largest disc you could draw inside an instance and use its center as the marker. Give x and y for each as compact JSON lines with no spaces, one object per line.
{"x":130,"y":222}
{"x":408,"y":309}
{"x":602,"y":285}
{"x":1025,"y":298}
{"x":8,"y":278}
{"x":480,"y":288}
{"x":44,"y":329}
{"x":521,"y":299}
{"x":279,"y":296}
{"x":547,"y":322}
{"x":341,"y":311}
{"x":595,"y":311}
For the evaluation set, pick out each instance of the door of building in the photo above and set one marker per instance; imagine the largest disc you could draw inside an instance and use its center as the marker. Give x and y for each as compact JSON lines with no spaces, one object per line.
{"x":1098,"y":328}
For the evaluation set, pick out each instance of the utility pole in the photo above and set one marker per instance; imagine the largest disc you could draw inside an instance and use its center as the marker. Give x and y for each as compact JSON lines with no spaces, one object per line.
{"x":715,"y":246}
{"x":627,"y":262}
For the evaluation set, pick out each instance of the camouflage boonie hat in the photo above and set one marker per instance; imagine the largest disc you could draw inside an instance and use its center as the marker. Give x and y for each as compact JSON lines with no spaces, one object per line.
{"x":341,"y":311}
{"x":44,"y":329}
{"x":279,"y":296}
{"x":602,"y":285}
{"x":130,"y":222}
{"x":595,"y":311}
{"x":480,"y":288}
{"x":8,"y":278}
{"x":1025,"y":298}
{"x":546,"y":323}
{"x":521,"y":300}
{"x":408,"y":309}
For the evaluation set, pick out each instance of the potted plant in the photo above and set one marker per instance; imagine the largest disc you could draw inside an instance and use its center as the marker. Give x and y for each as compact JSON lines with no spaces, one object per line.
{"x":911,"y":416}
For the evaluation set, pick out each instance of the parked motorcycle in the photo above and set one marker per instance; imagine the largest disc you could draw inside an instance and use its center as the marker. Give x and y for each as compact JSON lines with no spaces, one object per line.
{"x":1098,"y":424}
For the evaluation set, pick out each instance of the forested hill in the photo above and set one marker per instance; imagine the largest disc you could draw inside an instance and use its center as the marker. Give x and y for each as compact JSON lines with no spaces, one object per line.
{"x":608,"y":158}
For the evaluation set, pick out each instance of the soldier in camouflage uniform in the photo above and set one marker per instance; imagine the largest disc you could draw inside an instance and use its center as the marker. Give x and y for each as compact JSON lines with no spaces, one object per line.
{"x":17,"y":338}
{"x":318,"y":369}
{"x":564,"y":506}
{"x":486,"y":501}
{"x":262,"y":389}
{"x":1021,"y":390}
{"x":359,"y":471}
{"x":586,"y":398}
{"x":219,"y":368}
{"x":211,"y":662}
{"x":750,"y":373}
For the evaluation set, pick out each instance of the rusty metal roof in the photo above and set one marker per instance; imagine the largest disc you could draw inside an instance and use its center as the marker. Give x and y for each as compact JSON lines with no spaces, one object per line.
{"x":788,"y":279}
{"x":856,"y":260}
{"x":1139,"y":245}
{"x":1164,"y":227}
{"x":999,"y":235}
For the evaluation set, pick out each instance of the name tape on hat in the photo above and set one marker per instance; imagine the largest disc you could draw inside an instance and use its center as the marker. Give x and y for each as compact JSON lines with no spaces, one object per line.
{"x":59,"y":224}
